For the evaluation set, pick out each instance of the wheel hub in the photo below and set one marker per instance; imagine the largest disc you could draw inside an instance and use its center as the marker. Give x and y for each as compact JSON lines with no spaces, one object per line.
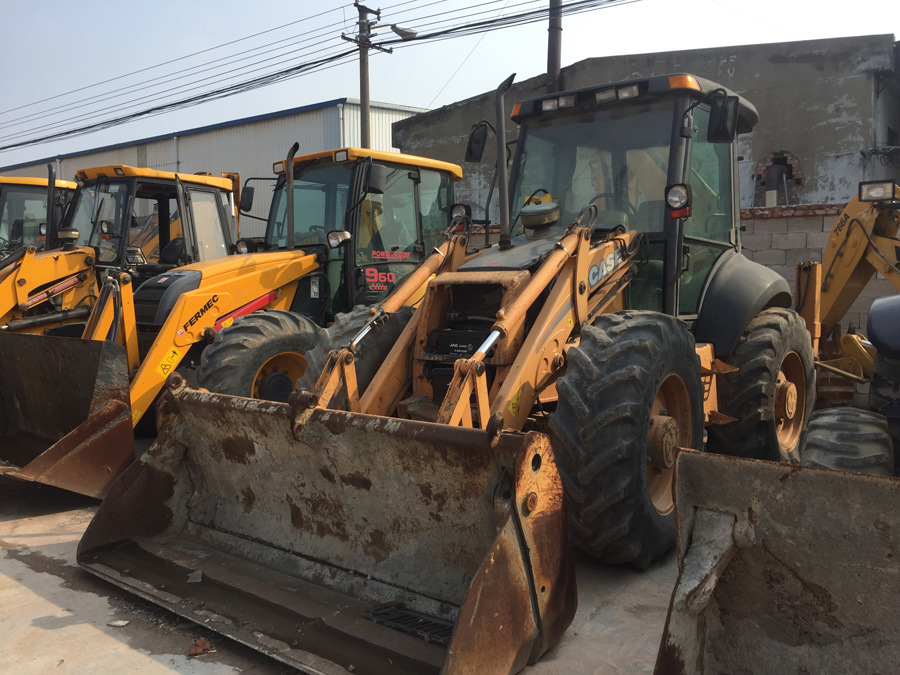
{"x":785,"y":399}
{"x":662,"y":441}
{"x":275,"y":386}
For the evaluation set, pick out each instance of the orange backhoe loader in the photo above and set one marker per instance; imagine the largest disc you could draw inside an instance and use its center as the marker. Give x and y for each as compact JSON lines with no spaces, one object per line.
{"x":615,"y":318}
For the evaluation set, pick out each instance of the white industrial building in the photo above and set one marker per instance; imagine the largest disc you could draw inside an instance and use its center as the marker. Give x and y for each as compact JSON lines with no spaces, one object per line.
{"x":249,"y":145}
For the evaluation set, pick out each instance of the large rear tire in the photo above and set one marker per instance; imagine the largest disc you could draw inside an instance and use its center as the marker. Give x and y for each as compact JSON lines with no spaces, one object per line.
{"x":884,"y":398}
{"x":631,"y":396}
{"x":773,"y":392}
{"x":261,"y":355}
{"x":373,"y":350}
{"x":848,"y":439}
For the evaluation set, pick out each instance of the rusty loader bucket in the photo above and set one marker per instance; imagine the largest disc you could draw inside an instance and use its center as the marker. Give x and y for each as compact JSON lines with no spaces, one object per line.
{"x":332,"y":539}
{"x":58,"y":396}
{"x":783,"y":568}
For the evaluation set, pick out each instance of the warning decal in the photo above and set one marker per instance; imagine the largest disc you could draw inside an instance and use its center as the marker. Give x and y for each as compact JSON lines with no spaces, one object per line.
{"x":169,"y":361}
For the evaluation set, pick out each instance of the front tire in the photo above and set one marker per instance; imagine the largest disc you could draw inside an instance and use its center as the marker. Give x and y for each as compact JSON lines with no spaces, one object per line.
{"x":773,"y":392}
{"x":261,"y":355}
{"x":630,"y":397}
{"x":848,"y":439}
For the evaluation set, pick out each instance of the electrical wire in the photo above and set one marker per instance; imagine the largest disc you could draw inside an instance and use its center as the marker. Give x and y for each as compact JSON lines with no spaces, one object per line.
{"x":325,"y":62}
{"x":97,"y":99}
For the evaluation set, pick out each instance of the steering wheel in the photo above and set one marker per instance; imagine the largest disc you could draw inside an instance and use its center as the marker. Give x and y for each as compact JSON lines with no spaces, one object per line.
{"x":629,"y":208}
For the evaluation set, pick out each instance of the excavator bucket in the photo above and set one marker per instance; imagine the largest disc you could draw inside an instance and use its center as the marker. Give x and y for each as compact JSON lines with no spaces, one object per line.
{"x":782,"y":568}
{"x":335,"y":541}
{"x":65,"y":416}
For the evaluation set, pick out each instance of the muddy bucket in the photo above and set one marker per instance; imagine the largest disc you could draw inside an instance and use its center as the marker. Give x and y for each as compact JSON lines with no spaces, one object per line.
{"x":783,"y":569}
{"x":390,"y":546}
{"x":65,"y":416}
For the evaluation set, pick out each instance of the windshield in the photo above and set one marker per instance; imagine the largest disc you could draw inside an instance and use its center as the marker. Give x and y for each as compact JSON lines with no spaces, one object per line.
{"x":98,"y":214}
{"x":320,"y":204}
{"x":23,"y":209}
{"x":616,"y":158}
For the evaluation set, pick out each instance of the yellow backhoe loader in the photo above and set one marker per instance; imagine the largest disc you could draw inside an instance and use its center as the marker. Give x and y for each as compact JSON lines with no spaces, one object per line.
{"x":206,"y":318}
{"x":121,"y":219}
{"x":615,"y":318}
{"x":863,"y":242}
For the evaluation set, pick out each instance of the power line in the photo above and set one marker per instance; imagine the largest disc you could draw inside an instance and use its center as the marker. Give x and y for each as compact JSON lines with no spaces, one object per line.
{"x":474,"y":28}
{"x":165,"y":63}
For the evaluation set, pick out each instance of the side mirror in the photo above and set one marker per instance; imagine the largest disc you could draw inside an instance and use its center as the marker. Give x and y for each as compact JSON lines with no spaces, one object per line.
{"x":336,"y":238}
{"x":723,"y":117}
{"x":477,"y":142}
{"x":246,"y":199}
{"x":376,"y":181}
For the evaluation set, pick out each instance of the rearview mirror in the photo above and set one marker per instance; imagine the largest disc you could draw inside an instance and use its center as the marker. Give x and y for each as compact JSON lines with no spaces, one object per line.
{"x":723,"y":117}
{"x":376,"y":180}
{"x":246,"y":199}
{"x":477,"y":142}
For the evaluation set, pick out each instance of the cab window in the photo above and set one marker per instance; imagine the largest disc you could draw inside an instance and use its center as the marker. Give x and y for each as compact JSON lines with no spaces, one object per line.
{"x":208,"y":227}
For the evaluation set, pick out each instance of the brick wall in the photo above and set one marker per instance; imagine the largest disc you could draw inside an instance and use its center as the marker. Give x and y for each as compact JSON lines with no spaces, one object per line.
{"x":780,"y":237}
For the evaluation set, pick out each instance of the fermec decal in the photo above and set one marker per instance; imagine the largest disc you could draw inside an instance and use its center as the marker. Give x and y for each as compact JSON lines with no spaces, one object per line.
{"x":169,"y":361}
{"x":599,"y":272}
{"x":391,"y":255}
{"x":378,"y":281}
{"x":198,"y":314}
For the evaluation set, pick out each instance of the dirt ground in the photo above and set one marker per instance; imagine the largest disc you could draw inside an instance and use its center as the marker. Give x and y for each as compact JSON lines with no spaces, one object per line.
{"x":55,"y":617}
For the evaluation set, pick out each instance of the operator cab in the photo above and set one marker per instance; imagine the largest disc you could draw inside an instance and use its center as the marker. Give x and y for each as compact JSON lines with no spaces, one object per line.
{"x":385,"y":212}
{"x":137,"y":219}
{"x":615,"y":151}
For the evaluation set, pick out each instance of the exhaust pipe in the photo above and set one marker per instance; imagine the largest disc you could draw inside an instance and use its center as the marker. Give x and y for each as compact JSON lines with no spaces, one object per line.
{"x":289,"y":184}
{"x":51,"y":207}
{"x":500,"y":112}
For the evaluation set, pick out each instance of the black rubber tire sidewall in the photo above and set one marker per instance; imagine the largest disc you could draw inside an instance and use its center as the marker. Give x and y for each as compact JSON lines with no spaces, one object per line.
{"x":749,"y":394}
{"x":230,"y":364}
{"x":599,"y":431}
{"x":884,"y":393}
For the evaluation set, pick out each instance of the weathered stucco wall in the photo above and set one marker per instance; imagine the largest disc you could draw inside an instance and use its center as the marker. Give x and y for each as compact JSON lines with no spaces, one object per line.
{"x":829,"y":103}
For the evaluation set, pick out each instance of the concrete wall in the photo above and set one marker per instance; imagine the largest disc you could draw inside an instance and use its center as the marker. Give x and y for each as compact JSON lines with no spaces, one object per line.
{"x":782,"y":238}
{"x":829,"y":103}
{"x":833,"y":105}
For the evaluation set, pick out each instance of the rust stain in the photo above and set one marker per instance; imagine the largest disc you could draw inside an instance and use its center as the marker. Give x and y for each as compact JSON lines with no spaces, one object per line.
{"x":356,"y":480}
{"x":297,"y":519}
{"x":377,"y":545}
{"x":248,"y":499}
{"x":238,"y":449}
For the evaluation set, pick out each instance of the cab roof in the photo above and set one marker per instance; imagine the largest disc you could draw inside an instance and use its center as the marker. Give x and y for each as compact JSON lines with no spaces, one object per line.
{"x":122,"y":170}
{"x":394,"y":157}
{"x":40,"y":182}
{"x":591,"y":97}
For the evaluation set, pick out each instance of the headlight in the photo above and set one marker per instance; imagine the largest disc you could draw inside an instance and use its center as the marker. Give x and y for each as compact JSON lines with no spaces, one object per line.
{"x":877,"y":191}
{"x":678,"y":200}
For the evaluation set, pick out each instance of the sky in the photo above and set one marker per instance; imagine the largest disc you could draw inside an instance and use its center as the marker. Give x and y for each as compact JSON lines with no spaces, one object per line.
{"x":69,"y":64}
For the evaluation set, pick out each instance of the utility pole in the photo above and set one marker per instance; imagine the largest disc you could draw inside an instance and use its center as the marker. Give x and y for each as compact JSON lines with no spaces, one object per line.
{"x":554,"y":47}
{"x":364,"y":40}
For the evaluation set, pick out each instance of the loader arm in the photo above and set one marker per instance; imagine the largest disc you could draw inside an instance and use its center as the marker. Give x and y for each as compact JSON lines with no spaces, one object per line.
{"x":60,"y":279}
{"x":863,"y":241}
{"x":537,"y":364}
